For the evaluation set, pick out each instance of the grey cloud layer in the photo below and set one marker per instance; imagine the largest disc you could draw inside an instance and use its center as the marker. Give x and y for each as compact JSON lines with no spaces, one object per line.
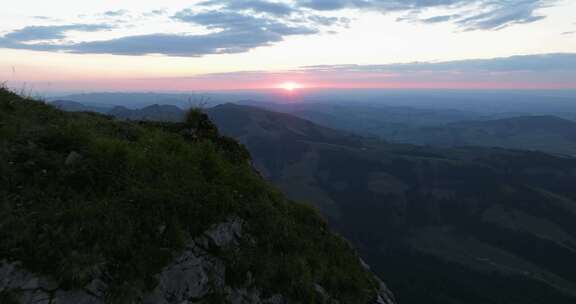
{"x":117,"y":13}
{"x":35,"y":33}
{"x":242,"y":25}
{"x":178,"y":45}
{"x":539,"y":70}
{"x":492,"y":14}
{"x":235,"y":31}
{"x":486,"y":14}
{"x":262,"y":6}
{"x":237,"y":22}
{"x":526,"y":63}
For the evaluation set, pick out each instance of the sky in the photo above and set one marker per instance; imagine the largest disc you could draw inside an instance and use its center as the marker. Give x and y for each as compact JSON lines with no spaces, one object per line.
{"x":145,"y":45}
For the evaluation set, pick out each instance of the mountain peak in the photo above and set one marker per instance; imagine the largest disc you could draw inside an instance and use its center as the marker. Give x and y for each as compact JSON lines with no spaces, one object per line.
{"x":102,"y":211}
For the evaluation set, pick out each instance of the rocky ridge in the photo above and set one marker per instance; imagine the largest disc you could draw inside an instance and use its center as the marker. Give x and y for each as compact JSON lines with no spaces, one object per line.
{"x":195,"y":276}
{"x":94,"y":210}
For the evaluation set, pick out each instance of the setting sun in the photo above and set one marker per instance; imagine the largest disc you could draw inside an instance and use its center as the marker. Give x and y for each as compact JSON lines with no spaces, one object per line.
{"x":290,"y":86}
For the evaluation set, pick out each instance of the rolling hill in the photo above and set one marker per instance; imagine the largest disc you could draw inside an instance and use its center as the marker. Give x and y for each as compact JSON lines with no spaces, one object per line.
{"x":542,"y":133}
{"x":370,"y":119}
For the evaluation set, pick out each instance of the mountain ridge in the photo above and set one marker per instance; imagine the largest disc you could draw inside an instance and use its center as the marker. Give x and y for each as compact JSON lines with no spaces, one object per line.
{"x":466,"y":216}
{"x":96,"y":210}
{"x":545,"y":133}
{"x":410,"y":209}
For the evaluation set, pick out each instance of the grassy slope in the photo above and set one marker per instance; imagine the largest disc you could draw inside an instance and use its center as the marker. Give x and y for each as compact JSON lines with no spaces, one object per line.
{"x":83,"y":196}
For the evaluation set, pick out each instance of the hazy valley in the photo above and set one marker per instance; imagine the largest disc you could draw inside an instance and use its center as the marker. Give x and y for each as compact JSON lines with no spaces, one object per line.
{"x":471,"y":216}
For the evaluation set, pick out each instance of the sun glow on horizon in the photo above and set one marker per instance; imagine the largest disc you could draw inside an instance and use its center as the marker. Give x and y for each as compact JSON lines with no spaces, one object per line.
{"x":290,"y":86}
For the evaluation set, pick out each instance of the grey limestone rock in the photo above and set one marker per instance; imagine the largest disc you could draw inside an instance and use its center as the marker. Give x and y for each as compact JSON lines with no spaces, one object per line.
{"x":194,"y":275}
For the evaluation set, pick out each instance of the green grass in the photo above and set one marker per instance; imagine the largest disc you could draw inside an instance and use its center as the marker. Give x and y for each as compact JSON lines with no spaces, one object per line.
{"x":83,"y":196}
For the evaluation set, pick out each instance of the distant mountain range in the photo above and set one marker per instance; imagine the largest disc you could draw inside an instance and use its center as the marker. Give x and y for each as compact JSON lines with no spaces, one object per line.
{"x":467,"y":225}
{"x":542,"y":133}
{"x":74,"y":106}
{"x":152,"y":113}
{"x":440,"y":128}
{"x":443,"y":128}
{"x":370,"y":120}
{"x":486,"y":102}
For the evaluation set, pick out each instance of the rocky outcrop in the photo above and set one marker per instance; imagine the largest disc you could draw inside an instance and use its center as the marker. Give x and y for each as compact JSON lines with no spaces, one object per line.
{"x":385,"y":296}
{"x":194,"y":276}
{"x":20,"y":286}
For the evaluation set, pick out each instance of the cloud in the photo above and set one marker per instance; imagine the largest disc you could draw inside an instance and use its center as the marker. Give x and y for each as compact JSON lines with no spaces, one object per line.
{"x":179,"y":45}
{"x":469,"y":14}
{"x":45,"y":18}
{"x":232,"y":33}
{"x":260,"y":6}
{"x":329,"y":5}
{"x":329,"y":21}
{"x":241,"y":25}
{"x":504,"y":15}
{"x":525,"y":63}
{"x":156,"y":12}
{"x":439,"y":19}
{"x":50,"y":32}
{"x":473,"y":14}
{"x":166,"y":44}
{"x":528,"y":71}
{"x":117,"y":13}
{"x":278,"y":11}
{"x":237,"y":22}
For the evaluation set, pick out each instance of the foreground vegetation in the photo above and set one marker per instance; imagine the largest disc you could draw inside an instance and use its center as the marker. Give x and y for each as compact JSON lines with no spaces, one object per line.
{"x":83,"y":196}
